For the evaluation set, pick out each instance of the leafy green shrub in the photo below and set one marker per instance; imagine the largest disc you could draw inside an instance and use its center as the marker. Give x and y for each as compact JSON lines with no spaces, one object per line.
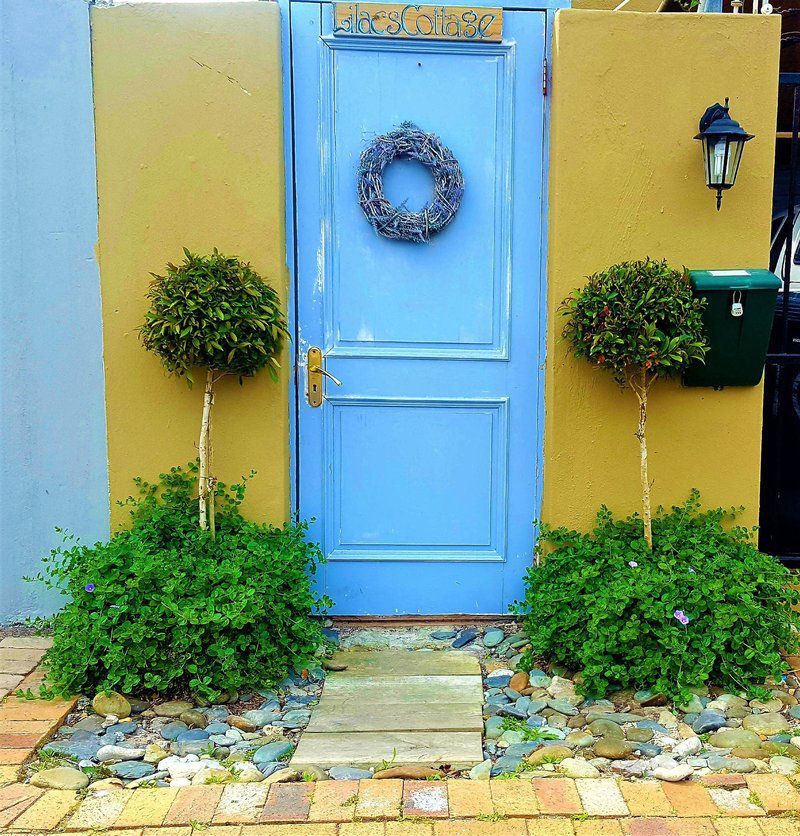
{"x":163,"y":607}
{"x":639,"y":320}
{"x":215,"y":312}
{"x":703,"y":606}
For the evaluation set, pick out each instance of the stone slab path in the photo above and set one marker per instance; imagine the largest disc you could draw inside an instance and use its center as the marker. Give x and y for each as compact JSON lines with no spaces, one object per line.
{"x":399,"y":706}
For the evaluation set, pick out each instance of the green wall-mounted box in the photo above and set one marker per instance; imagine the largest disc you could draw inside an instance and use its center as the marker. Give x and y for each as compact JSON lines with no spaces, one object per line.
{"x":738,"y":320}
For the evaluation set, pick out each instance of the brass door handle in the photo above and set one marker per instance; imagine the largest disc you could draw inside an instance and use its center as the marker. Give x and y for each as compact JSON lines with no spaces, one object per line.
{"x":314,"y":394}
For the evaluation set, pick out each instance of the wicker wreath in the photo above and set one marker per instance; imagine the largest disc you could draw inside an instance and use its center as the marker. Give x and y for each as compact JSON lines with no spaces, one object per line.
{"x":410,"y":143}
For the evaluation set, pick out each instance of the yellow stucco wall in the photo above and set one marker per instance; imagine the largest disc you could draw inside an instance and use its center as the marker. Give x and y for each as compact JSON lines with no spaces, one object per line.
{"x":626,"y":182}
{"x":630,"y":6}
{"x":189,"y":153}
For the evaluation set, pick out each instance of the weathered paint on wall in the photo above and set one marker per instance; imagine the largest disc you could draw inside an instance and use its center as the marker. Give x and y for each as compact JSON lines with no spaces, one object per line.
{"x":626,"y":182}
{"x":189,"y":153}
{"x":53,"y":441}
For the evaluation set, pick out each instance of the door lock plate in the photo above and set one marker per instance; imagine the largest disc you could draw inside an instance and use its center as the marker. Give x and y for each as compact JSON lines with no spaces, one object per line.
{"x":314,"y":377}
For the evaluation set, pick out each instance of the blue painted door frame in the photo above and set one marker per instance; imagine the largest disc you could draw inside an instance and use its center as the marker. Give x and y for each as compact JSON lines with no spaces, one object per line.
{"x":424,"y":470}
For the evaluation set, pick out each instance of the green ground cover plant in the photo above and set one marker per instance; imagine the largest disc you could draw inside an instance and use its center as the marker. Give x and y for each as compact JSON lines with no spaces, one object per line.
{"x":703,"y":606}
{"x":528,"y":734}
{"x":163,"y":607}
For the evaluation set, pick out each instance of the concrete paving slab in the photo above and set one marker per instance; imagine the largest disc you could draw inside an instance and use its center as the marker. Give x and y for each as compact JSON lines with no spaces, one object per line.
{"x":345,"y":715}
{"x":406,"y":689}
{"x":462,"y":750}
{"x":408,"y":663}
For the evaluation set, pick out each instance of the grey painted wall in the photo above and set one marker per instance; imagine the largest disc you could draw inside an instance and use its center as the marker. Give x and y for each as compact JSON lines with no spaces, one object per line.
{"x":53,"y":461}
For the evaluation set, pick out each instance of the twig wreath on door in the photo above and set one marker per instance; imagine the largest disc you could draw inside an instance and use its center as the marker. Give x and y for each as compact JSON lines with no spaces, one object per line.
{"x":408,"y":142}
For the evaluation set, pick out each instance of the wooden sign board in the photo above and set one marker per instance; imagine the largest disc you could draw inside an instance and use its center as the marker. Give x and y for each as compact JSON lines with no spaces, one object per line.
{"x":438,"y":23}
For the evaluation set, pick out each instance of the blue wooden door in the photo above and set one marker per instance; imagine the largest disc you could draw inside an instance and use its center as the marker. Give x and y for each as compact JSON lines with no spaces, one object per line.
{"x":422,"y":470}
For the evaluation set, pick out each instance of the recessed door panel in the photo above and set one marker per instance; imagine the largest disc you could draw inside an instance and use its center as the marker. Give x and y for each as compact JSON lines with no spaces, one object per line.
{"x":422,"y":448}
{"x":399,"y":298}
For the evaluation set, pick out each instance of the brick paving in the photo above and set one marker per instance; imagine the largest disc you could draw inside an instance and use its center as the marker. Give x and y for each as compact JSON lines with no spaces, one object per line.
{"x":646,"y":798}
{"x":24,"y":724}
{"x":380,"y":800}
{"x":469,"y":799}
{"x":717,"y":805}
{"x":515,"y":807}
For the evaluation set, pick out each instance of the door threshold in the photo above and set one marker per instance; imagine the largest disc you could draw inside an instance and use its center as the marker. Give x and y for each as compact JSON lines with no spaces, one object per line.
{"x":458,"y":619}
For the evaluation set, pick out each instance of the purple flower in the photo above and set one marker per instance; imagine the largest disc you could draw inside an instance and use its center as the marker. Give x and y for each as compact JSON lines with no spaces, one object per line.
{"x":691,"y":570}
{"x":681,"y":616}
{"x":89,"y":587}
{"x":633,"y":564}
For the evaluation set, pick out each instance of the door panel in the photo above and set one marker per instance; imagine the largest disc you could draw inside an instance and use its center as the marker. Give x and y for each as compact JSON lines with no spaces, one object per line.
{"x":420,"y":471}
{"x":424,"y":448}
{"x":423,"y":307}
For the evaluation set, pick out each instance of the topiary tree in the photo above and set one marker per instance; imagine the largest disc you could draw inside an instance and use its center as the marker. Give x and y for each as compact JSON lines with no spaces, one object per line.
{"x":217,"y":313}
{"x":640,"y":321}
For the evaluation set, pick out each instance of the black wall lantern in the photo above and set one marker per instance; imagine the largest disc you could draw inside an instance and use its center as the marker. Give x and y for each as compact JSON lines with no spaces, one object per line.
{"x":723,"y":143}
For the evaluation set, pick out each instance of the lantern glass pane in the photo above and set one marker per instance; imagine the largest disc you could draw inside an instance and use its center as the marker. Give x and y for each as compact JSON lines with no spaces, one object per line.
{"x":717,"y":162}
{"x":734,"y":158}
{"x":707,"y":152}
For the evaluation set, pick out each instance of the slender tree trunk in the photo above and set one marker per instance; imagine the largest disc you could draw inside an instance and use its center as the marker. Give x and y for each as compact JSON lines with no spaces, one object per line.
{"x":641,"y":388}
{"x":205,"y":449}
{"x":211,"y":480}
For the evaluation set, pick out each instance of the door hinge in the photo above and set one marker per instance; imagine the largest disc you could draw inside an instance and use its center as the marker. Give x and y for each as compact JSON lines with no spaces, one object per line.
{"x":544,"y":77}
